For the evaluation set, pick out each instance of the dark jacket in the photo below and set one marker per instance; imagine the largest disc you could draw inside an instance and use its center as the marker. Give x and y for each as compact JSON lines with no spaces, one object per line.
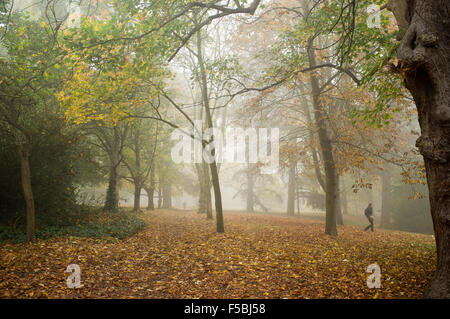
{"x":368,"y":211}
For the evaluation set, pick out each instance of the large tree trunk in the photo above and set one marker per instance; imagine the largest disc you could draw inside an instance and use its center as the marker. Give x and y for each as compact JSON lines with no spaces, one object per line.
{"x":331,"y":183}
{"x":425,"y":62}
{"x":291,"y":191}
{"x":150,"y":194}
{"x":137,"y":197}
{"x":339,"y":216}
{"x":23,"y":151}
{"x":112,"y":193}
{"x":385,"y":199}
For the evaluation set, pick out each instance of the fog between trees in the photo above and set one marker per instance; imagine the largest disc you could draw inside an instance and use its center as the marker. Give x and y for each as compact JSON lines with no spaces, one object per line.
{"x":96,"y":95}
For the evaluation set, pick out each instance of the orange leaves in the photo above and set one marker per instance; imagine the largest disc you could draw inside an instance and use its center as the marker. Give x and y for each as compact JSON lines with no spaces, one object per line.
{"x":179,"y":255}
{"x":359,"y":184}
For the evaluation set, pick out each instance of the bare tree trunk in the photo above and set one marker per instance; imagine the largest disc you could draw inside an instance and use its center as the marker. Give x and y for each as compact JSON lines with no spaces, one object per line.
{"x":424,"y":56}
{"x":137,"y":197}
{"x":150,"y":194}
{"x":167,"y":196}
{"x":319,"y":176}
{"x":385,"y":199}
{"x":23,"y":151}
{"x":339,"y":216}
{"x":201,"y":186}
{"x":291,"y":191}
{"x":207,"y":191}
{"x":217,"y":197}
{"x":159,"y":195}
{"x":331,"y":183}
{"x":213,"y":165}
{"x":137,"y":176}
{"x":151,"y":190}
{"x":204,"y":200}
{"x":114,"y":154}
{"x":112,"y":195}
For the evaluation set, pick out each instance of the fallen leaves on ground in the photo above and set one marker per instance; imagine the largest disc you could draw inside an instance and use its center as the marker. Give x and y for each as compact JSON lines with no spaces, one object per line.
{"x":179,"y":255}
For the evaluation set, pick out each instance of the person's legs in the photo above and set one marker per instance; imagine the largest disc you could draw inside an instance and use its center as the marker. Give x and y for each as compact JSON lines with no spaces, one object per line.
{"x":365,"y":229}
{"x":371,"y":223}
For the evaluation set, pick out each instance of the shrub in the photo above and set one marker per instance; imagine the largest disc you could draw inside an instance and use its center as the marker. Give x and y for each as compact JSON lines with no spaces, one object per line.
{"x":95,"y":224}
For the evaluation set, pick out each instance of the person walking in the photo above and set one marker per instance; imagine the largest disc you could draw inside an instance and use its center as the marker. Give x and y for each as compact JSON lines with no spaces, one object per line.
{"x":369,"y":214}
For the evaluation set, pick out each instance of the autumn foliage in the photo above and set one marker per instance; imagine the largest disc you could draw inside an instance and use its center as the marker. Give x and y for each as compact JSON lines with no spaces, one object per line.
{"x":179,"y":255}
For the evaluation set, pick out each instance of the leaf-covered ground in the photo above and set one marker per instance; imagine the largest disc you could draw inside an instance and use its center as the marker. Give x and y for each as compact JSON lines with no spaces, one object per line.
{"x":179,"y":255}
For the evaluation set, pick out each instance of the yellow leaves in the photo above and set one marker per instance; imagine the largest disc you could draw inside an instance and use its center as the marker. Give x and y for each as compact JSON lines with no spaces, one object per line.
{"x":416,"y":195}
{"x":103,"y":98}
{"x":258,"y":257}
{"x":21,"y":31}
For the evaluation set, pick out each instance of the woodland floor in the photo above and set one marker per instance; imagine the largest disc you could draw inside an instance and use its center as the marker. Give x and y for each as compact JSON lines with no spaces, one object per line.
{"x":179,"y":255}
